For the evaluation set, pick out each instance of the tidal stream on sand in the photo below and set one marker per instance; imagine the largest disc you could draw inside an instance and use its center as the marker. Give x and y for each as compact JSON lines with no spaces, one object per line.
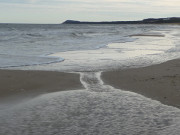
{"x":99,"y":109}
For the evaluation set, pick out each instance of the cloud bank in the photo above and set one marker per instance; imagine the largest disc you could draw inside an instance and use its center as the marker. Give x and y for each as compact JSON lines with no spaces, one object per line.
{"x":90,"y":10}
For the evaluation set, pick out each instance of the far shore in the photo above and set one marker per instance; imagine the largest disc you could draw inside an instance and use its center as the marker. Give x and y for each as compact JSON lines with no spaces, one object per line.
{"x":159,"y":82}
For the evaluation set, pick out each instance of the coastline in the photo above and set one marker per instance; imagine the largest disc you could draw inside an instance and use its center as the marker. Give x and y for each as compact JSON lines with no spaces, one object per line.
{"x":159,"y":82}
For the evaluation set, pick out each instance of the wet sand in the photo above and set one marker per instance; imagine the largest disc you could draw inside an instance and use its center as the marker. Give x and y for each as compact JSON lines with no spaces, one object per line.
{"x":14,"y":82}
{"x":160,"y":82}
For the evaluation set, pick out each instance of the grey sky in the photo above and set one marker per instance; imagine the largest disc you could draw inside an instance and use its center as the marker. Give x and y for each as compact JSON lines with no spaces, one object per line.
{"x":57,"y":11}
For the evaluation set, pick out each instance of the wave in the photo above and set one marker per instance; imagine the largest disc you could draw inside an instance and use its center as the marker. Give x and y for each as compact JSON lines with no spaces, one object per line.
{"x":34,"y":35}
{"x":37,"y":40}
{"x":8,"y":61}
{"x":175,"y":49}
{"x":76,"y":34}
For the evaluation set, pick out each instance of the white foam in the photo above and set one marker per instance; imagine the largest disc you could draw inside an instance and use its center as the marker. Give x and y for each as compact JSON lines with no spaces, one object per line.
{"x":142,"y":52}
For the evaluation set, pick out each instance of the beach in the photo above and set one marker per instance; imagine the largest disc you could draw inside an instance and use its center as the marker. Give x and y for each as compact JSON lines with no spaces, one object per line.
{"x":34,"y":83}
{"x":159,"y":82}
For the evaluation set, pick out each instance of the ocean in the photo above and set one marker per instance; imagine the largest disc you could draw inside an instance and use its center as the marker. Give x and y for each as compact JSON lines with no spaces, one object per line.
{"x":34,"y":44}
{"x":98,"y":109}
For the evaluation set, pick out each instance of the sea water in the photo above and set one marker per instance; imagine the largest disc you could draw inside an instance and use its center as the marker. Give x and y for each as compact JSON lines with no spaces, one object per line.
{"x":97,"y":109}
{"x":28,"y":44}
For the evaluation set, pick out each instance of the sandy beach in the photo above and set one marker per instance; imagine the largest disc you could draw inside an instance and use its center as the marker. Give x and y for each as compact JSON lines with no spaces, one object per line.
{"x":159,"y":82}
{"x":14,"y":82}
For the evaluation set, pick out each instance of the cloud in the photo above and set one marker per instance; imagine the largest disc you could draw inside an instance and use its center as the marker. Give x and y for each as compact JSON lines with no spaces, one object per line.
{"x":167,"y":3}
{"x":32,"y":1}
{"x":90,"y":9}
{"x":146,"y":6}
{"x":152,"y":3}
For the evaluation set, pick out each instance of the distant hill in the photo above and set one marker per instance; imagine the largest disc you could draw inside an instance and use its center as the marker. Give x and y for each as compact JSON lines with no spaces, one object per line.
{"x":145,"y":21}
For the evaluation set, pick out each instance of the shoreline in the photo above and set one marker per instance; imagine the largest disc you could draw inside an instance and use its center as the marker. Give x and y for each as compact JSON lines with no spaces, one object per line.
{"x":159,"y":82}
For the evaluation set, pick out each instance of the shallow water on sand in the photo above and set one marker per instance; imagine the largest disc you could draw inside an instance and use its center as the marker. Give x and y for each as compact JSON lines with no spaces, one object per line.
{"x":99,"y":109}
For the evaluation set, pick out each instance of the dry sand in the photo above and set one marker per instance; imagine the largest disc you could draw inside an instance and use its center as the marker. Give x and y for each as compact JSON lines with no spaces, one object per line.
{"x":160,"y":82}
{"x":13,"y":82}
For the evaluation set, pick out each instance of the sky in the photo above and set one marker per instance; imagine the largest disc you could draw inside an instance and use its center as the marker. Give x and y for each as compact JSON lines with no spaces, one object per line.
{"x":57,"y":11}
